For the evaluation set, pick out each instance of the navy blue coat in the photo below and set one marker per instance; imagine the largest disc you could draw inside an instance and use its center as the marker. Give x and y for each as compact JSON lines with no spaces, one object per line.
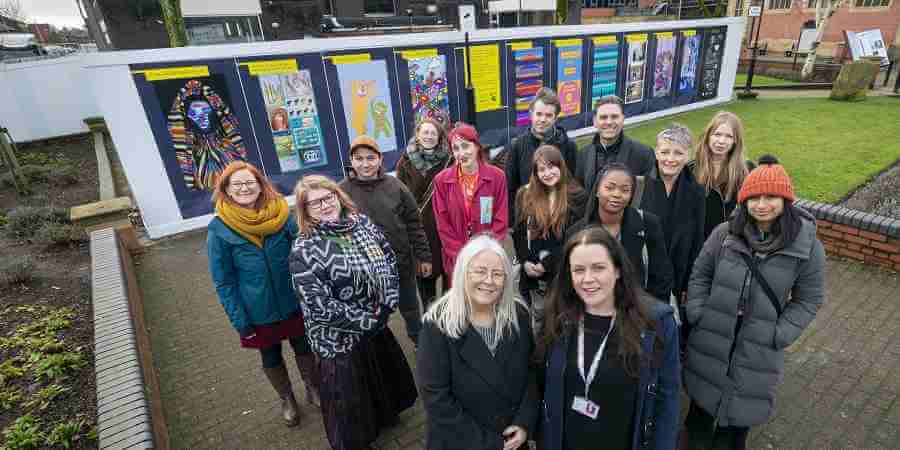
{"x":657,"y":404}
{"x":253,"y":284}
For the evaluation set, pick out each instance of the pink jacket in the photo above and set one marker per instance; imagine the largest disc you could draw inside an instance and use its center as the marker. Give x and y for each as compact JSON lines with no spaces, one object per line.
{"x":489,"y":213}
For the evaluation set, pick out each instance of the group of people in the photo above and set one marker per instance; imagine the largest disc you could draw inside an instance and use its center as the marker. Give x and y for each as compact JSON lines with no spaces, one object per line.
{"x":636,"y":272}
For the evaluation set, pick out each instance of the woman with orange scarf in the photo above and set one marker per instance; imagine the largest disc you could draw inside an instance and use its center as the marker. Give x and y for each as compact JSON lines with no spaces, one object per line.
{"x":249,"y":242}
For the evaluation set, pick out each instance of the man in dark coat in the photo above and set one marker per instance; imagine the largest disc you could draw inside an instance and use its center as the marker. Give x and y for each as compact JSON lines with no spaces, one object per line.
{"x":543,"y":111}
{"x":390,"y":205}
{"x":611,"y":145}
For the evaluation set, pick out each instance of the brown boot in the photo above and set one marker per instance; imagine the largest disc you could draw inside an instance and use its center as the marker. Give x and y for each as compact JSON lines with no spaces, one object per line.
{"x":280,"y":380}
{"x":309,"y":371}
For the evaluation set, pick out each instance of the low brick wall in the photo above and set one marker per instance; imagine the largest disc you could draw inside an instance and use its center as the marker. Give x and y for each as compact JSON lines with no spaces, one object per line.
{"x":865,"y":237}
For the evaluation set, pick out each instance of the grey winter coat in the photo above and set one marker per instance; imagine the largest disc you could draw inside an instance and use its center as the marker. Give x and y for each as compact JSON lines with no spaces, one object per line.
{"x":738,"y":388}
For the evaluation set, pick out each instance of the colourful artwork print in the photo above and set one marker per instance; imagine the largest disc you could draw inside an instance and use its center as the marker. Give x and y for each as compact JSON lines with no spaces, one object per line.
{"x":293,"y":120}
{"x":637,"y":57}
{"x":604,"y":70}
{"x":529,"y":67}
{"x":428,"y":87}
{"x":664,"y":66}
{"x":568,"y":84}
{"x":690,"y":57}
{"x":366,"y":98}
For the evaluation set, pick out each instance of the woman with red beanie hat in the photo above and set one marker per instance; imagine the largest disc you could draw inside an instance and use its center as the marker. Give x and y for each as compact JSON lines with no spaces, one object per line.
{"x":755,"y":287}
{"x":470,"y":197}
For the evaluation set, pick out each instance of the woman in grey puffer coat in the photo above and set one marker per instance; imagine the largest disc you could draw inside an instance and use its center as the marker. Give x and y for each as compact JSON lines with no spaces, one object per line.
{"x":735,"y":353}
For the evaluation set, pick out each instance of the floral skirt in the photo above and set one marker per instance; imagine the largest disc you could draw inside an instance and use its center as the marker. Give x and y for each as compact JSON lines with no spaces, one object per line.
{"x":364,"y":391}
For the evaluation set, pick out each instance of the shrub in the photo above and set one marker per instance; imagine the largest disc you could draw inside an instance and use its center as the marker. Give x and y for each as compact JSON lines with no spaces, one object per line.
{"x":24,"y":221}
{"x":16,"y":270}
{"x":57,"y":365}
{"x":52,"y":233}
{"x":9,"y":397}
{"x":46,"y":395}
{"x":65,"y":434}
{"x":24,"y":433}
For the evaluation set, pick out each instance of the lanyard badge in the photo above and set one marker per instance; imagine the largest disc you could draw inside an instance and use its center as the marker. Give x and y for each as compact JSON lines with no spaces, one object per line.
{"x":583,"y":405}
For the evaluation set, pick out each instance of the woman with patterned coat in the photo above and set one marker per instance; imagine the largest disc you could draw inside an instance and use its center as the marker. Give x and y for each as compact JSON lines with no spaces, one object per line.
{"x":345,"y":276}
{"x":427,"y":154}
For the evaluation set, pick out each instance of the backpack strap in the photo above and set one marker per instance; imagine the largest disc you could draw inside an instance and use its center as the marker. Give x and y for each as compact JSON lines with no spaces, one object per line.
{"x":754,"y":269}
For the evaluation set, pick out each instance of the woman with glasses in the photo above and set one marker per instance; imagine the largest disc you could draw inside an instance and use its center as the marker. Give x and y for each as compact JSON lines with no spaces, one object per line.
{"x":248,"y":242}
{"x":345,"y":274}
{"x":613,"y":371}
{"x":478,"y":385}
{"x":470,"y":197}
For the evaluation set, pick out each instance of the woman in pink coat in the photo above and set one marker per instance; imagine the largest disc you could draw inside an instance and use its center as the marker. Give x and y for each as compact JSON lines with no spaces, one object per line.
{"x":470,"y":197}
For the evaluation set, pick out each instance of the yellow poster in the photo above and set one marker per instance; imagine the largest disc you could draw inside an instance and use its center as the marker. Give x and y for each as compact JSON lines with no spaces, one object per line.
{"x":174,"y":73}
{"x":272,"y":67}
{"x":486,"y":77}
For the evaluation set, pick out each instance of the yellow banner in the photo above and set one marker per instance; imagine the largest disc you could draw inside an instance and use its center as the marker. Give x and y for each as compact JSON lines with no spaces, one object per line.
{"x":570,"y":54}
{"x":350,"y":59}
{"x":566,"y":42}
{"x":174,"y":73}
{"x":419,"y":53}
{"x":273,"y":67}
{"x":687,"y":33}
{"x":519,"y":45}
{"x":605,"y":40}
{"x":666,"y":35}
{"x":486,"y":77}
{"x":636,"y":37}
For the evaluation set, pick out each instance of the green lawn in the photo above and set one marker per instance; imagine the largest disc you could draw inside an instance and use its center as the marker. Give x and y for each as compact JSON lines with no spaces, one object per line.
{"x":829,"y":148}
{"x":760,"y":80}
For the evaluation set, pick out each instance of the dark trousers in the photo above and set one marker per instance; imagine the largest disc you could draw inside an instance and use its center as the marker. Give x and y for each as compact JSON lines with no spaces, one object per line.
{"x":271,"y":356}
{"x":704,"y":435}
{"x":428,"y":289}
{"x":409,"y":305}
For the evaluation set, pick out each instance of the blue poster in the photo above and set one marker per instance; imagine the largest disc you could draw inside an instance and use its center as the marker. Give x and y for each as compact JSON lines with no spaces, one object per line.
{"x":605,"y":68}
{"x":689,"y":59}
{"x":367,"y":102}
{"x":568,"y":80}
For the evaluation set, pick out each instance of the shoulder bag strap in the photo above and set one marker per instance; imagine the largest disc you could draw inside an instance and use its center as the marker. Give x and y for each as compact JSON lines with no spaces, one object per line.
{"x":645,"y":257}
{"x":751,"y":262}
{"x":638,"y":192}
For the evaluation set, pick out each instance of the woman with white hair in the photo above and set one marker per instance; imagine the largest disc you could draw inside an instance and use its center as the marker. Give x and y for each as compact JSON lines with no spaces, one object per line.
{"x":474,"y":360}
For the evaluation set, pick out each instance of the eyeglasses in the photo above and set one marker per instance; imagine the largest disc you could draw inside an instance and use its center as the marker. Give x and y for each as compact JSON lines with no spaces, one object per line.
{"x":319,"y":203}
{"x":238,"y":185}
{"x":483,"y":274}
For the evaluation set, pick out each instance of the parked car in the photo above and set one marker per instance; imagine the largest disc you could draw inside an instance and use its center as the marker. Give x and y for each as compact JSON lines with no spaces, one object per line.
{"x":19,"y":45}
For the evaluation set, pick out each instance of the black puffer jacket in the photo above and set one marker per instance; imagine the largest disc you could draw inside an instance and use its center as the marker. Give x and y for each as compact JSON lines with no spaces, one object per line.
{"x":520,"y":155}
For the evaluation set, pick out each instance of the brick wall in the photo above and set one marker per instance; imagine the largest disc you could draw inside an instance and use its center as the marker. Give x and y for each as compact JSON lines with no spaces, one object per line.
{"x":786,"y":23}
{"x":867,"y":238}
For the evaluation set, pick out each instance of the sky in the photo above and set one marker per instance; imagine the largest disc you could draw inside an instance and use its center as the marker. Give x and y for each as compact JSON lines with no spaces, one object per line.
{"x":62,"y":13}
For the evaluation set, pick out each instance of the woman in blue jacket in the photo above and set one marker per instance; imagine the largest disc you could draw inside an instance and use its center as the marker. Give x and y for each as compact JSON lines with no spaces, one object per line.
{"x":249,"y":242}
{"x":613,"y":368}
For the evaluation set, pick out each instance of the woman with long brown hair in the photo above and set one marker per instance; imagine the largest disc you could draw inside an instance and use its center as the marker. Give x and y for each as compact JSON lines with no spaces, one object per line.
{"x":613,"y":369}
{"x":248,"y":244}
{"x":720,"y":167}
{"x":545,"y":208}
{"x":346,"y":278}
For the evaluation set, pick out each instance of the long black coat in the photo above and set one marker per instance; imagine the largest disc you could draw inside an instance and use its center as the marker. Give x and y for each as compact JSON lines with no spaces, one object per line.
{"x":639,"y":158}
{"x":637,"y":231}
{"x":470,"y":396}
{"x":682,"y":221}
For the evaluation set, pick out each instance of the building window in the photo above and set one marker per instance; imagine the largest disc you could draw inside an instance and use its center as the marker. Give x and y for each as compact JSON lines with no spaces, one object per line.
{"x":872,"y":3}
{"x":780,"y":4}
{"x":608,"y":3}
{"x":378,"y":7}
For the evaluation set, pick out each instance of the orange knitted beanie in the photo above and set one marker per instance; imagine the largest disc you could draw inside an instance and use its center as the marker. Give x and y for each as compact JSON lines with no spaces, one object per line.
{"x":769,"y":178}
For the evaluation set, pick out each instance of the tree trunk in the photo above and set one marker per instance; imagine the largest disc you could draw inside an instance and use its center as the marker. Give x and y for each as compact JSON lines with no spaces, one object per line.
{"x":171,"y":12}
{"x":824,"y":10}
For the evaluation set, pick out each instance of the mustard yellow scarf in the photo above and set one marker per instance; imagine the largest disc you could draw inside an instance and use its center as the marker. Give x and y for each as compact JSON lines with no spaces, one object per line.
{"x":254,"y":225}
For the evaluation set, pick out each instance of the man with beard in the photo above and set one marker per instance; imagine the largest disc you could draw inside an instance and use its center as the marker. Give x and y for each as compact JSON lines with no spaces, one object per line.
{"x":611,"y":145}
{"x":544,"y":110}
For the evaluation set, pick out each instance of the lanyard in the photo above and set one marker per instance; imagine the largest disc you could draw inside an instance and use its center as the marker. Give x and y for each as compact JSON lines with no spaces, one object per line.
{"x":592,"y":372}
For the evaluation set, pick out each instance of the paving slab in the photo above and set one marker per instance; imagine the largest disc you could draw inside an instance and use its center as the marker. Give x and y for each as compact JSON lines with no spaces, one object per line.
{"x":840,"y":389}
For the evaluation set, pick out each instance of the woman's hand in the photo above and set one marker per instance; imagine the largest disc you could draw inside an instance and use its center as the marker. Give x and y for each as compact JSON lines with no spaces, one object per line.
{"x":424,"y":269}
{"x":514,"y":437}
{"x":533,"y":270}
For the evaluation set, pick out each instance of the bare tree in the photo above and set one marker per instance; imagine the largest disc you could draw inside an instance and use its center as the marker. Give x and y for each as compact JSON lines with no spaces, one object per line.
{"x":824,"y":10}
{"x":12,"y":9}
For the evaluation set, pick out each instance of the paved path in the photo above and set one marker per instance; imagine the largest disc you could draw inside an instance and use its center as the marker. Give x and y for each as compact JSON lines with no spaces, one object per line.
{"x":841,"y":388}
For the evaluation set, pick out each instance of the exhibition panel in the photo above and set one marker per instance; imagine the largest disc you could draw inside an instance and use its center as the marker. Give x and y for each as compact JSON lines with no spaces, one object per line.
{"x":292,"y":107}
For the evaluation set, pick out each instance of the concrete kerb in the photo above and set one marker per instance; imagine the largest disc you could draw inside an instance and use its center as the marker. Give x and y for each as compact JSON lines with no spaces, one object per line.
{"x":120,"y":386}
